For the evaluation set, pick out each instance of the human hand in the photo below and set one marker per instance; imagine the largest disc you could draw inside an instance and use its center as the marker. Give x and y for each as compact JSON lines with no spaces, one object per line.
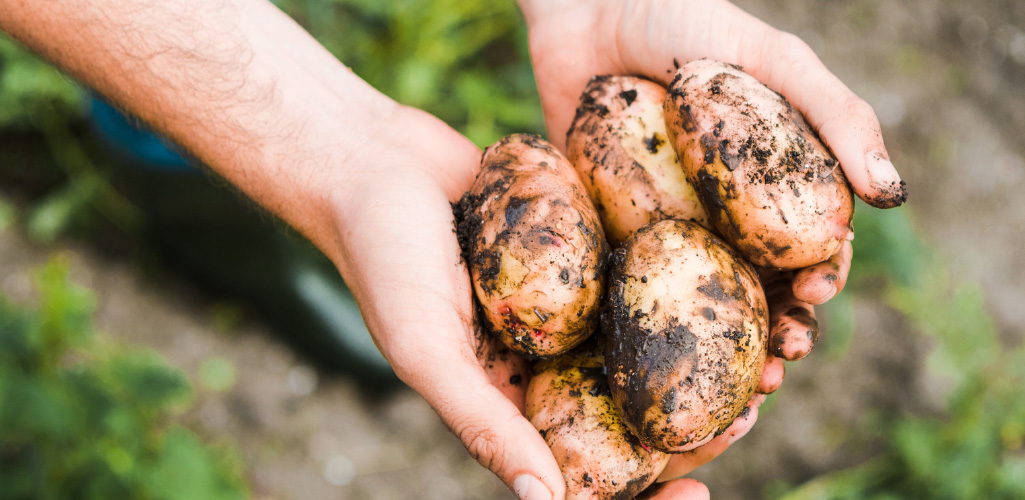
{"x":400,"y":256}
{"x":572,"y":40}
{"x":401,"y":259}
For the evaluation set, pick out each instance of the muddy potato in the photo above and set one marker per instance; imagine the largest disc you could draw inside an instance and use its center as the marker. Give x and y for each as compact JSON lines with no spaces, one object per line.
{"x":534,"y":246}
{"x":687,"y":325}
{"x":769,"y":185}
{"x":619,"y":145}
{"x":568,"y":402}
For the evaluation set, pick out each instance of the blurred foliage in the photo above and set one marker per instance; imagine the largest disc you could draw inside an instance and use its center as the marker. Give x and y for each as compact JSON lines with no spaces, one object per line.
{"x":30,"y":88}
{"x":465,"y":62}
{"x":37,"y":99}
{"x":80,"y":419}
{"x":977,"y":448}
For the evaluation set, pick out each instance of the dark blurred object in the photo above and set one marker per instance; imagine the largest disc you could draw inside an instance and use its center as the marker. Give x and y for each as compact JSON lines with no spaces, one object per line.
{"x":209,"y":233}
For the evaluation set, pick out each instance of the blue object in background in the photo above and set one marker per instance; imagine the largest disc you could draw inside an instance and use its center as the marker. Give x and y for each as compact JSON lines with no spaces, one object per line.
{"x":205,"y":231}
{"x":134,"y":142}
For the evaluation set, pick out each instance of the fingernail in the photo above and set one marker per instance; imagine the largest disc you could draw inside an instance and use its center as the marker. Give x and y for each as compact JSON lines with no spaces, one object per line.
{"x":884,"y":178}
{"x":831,"y":292}
{"x":817,"y":285}
{"x":821,"y":290}
{"x":881,"y":170}
{"x":528,"y":487}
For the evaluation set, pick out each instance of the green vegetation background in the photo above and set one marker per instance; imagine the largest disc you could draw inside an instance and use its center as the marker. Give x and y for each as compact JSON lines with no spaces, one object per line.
{"x":83,"y":419}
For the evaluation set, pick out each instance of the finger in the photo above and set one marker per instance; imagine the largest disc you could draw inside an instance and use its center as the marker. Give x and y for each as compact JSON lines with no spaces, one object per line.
{"x":845,"y":122}
{"x":818,"y":283}
{"x":562,"y":72}
{"x":681,"y":489}
{"x":793,"y":329}
{"x":491,"y":427}
{"x":683,"y":463}
{"x":772,"y":375}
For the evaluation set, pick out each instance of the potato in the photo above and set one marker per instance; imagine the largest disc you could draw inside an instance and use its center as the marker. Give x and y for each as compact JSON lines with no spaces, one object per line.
{"x":769,"y":185}
{"x":619,"y":145}
{"x":568,"y":402}
{"x":687,"y":326}
{"x":535,"y":247}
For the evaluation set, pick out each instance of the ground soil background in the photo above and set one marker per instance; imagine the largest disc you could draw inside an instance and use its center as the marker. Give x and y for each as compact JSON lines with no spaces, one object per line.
{"x":947,"y":79}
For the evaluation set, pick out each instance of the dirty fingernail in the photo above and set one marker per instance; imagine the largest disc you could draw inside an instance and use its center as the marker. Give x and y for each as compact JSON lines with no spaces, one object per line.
{"x":881,"y":170}
{"x":884,"y":178}
{"x":528,"y":487}
{"x":829,"y":291}
{"x":818,"y":290}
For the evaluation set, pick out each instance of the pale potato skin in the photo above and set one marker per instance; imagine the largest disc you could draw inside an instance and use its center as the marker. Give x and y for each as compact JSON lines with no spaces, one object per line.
{"x":535,"y":247}
{"x":619,"y":145}
{"x":568,"y":402}
{"x":687,"y":325}
{"x":769,"y":185}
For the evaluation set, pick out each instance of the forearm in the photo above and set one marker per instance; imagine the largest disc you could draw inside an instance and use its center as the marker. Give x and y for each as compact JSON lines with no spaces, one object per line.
{"x":235,"y":82}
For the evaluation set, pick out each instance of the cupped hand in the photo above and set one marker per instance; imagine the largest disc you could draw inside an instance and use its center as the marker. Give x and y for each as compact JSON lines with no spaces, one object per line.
{"x":573,"y":40}
{"x":401,"y":258}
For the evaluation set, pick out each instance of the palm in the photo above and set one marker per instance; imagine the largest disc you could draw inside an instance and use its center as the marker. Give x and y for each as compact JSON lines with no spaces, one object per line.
{"x":414,"y":289}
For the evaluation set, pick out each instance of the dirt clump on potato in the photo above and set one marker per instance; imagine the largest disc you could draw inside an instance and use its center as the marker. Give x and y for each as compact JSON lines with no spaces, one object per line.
{"x":569,"y":402}
{"x":769,"y":185}
{"x":535,"y":247}
{"x":619,"y":145}
{"x":687,"y":326}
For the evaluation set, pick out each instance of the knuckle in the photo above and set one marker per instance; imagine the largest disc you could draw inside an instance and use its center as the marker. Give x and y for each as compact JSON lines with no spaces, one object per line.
{"x":853,"y":105}
{"x":792,"y":52}
{"x":483,"y":444}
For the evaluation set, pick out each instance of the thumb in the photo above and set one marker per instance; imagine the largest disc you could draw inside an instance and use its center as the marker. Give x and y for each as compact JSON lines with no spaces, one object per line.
{"x":846,"y":123}
{"x":492,"y":428}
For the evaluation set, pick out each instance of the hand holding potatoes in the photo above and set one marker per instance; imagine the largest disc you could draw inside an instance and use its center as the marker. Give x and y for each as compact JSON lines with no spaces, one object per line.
{"x":685,"y":321}
{"x":572,"y":41}
{"x":646,"y":39}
